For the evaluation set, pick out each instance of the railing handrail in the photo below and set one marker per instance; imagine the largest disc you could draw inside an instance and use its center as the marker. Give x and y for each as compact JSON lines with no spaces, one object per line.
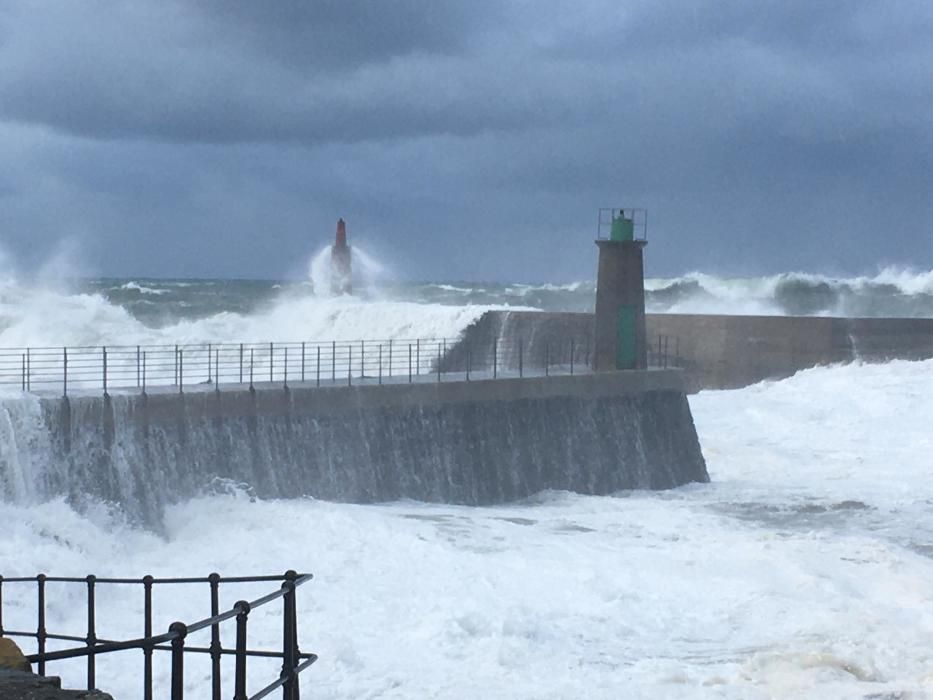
{"x":201,"y":344}
{"x":241,"y":364}
{"x":145,"y":579}
{"x":294,"y":661}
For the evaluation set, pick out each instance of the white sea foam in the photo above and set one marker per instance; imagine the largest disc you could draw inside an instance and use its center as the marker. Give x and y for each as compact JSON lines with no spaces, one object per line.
{"x":800,"y":292}
{"x":43,"y":318}
{"x":906,"y":280}
{"x":142,"y":289}
{"x":802,"y":571}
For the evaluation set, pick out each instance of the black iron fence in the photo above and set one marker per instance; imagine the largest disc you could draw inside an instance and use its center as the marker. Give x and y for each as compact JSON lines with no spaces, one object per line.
{"x":213,"y":365}
{"x":294,"y":661}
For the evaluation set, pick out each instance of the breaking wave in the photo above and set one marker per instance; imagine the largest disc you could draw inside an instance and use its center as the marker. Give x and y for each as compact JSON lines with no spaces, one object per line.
{"x":144,"y":311}
{"x":893,"y":292}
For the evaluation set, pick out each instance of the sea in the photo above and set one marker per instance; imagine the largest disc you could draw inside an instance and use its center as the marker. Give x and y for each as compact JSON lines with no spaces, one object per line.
{"x":804,"y":569}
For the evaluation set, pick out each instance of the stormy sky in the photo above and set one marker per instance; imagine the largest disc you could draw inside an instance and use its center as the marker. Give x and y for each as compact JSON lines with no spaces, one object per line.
{"x":469,"y":140}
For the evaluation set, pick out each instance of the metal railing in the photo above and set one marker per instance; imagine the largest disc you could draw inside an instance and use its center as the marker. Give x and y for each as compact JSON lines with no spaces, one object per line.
{"x":294,"y":661}
{"x":213,"y":365}
{"x":638,"y":216}
{"x":664,"y":352}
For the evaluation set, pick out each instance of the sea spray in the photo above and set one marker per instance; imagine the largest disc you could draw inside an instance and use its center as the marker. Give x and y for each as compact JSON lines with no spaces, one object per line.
{"x":368,"y":272}
{"x":27,"y":462}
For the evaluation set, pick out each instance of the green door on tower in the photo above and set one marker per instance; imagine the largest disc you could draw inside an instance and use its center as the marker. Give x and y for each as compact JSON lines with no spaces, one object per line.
{"x":625,"y":347}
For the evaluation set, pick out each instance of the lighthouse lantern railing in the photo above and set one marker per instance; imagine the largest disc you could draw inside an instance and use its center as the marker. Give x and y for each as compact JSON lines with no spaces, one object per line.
{"x":622,"y":223}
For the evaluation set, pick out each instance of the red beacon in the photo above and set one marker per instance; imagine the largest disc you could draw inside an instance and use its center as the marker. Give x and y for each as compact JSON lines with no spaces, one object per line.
{"x":341,"y":270}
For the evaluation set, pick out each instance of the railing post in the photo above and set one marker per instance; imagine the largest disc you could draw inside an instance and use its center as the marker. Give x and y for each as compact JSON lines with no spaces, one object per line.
{"x":1,"y":605}
{"x":349,"y":365}
{"x":144,"y":372}
{"x":181,"y":371}
{"x":495,"y":358}
{"x":289,"y":638}
{"x":469,"y":361}
{"x":571,"y":356}
{"x":216,"y":369}
{"x":521,"y":358}
{"x":417,"y":355}
{"x":390,"y":359}
{"x":241,"y":363}
{"x":180,"y":630}
{"x":362,"y":359}
{"x":91,"y":634}
{"x":210,"y":353}
{"x":658,"y":363}
{"x":285,"y":370}
{"x":214,"y":580}
{"x":547,"y":359}
{"x":242,"y":617}
{"x":380,"y":363}
{"x":438,"y":363}
{"x":176,"y":364}
{"x":104,"y":354}
{"x":28,"y":369}
{"x":271,"y":360}
{"x":23,"y":375}
{"x":138,"y":368}
{"x":65,"y":372}
{"x":40,"y":626}
{"x":147,"y":633}
{"x":317,"y":379}
{"x":251,"y":369}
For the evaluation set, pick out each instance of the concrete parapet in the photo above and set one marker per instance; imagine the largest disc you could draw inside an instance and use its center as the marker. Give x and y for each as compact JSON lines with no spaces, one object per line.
{"x":724,"y":351}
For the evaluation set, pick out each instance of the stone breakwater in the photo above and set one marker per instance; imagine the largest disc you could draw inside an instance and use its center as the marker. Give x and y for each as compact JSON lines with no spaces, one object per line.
{"x":472,"y":443}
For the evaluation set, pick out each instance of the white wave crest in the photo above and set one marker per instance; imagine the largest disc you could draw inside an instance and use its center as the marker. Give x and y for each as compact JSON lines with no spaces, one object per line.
{"x":142,"y":289}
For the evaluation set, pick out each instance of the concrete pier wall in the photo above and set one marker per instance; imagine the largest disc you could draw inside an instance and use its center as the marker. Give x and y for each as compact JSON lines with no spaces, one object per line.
{"x":478,"y":442}
{"x":716,"y":351}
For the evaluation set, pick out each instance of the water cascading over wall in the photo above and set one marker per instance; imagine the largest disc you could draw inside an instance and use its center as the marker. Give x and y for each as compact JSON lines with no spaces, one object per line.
{"x":473,"y":443}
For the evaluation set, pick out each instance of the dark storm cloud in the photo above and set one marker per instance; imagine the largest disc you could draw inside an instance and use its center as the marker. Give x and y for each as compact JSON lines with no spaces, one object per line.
{"x":342,"y":34}
{"x":762,"y":135}
{"x":246,"y":71}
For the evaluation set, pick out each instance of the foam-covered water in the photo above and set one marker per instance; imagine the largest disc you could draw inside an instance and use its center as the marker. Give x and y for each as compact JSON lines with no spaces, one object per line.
{"x":802,"y":570}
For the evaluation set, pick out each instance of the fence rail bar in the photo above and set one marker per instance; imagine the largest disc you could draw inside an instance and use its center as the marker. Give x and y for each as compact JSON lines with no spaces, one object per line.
{"x":174,"y":640}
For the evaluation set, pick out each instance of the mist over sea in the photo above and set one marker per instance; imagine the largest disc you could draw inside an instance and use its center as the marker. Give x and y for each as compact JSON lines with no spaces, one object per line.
{"x":803,"y":569}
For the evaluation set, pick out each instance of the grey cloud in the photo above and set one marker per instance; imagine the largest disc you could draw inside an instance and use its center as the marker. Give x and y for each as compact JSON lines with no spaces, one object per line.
{"x":174,"y":135}
{"x":343,"y":34}
{"x":224,"y":72}
{"x":355,"y":71}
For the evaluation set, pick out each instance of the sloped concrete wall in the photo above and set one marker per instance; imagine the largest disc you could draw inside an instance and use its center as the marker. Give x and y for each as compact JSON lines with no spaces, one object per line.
{"x":479,"y":442}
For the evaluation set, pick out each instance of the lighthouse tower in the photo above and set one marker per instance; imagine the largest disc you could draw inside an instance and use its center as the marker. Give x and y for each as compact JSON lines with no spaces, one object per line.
{"x":341,"y":268}
{"x":620,"y":336}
